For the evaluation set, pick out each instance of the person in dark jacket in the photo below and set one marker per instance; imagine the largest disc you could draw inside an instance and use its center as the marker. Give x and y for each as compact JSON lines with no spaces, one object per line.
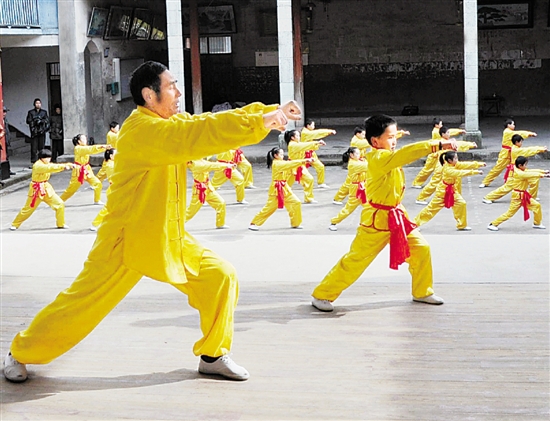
{"x":39,"y":124}
{"x":56,"y":133}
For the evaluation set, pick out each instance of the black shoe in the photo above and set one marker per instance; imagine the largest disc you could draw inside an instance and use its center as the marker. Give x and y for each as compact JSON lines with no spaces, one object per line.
{"x":12,"y":173}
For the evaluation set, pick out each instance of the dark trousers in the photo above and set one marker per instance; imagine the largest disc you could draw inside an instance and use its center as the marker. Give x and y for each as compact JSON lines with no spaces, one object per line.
{"x":37,"y":143}
{"x":57,"y":148}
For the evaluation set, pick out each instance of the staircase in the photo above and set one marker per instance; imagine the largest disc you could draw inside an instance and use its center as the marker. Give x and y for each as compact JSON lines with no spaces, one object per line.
{"x":17,"y":143}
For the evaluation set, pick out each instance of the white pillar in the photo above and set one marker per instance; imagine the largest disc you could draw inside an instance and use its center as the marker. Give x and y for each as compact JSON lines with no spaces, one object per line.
{"x":174,"y":33}
{"x":471,"y":66}
{"x":286,"y":52}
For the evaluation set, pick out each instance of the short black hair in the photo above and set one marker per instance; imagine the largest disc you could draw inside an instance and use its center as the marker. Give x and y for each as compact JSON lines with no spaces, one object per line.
{"x":516,"y":139}
{"x":309,"y":121}
{"x":376,"y":125}
{"x":358,"y":130}
{"x":508,"y":121}
{"x":146,"y":76}
{"x":521,"y":160}
{"x":436,"y":121}
{"x":36,"y":99}
{"x":44,"y":153}
{"x":443,"y":130}
{"x":113,"y":124}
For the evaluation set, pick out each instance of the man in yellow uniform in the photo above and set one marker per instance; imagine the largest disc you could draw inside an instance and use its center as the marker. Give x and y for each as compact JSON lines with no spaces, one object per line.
{"x":143,"y":232}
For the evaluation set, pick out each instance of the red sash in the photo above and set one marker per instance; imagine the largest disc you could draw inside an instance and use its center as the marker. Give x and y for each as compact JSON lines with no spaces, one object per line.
{"x":509,"y":169}
{"x":81,"y":172}
{"x":279,"y":186}
{"x":525,"y":202}
{"x":238,"y":156}
{"x":309,"y":154}
{"x":39,"y":188}
{"x":399,"y":227}
{"x":299,"y":173}
{"x":449,"y":199}
{"x":229,"y":170}
{"x":201,"y":188}
{"x":361,"y":191}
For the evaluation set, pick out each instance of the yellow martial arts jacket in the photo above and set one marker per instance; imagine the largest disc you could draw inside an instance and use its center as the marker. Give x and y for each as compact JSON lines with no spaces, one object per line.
{"x":521,"y":180}
{"x":280,"y":171}
{"x":452,"y":174}
{"x":436,"y":135}
{"x":146,"y":204}
{"x":297,"y":150}
{"x":507,"y":136}
{"x":201,"y":170}
{"x":112,"y":138}
{"x":361,"y":144}
{"x":41,"y":172}
{"x":82,"y":156}
{"x":386,"y":180}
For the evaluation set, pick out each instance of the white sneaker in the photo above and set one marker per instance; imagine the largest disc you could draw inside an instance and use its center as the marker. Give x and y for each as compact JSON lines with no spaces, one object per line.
{"x":12,"y":228}
{"x":333,"y":227}
{"x":223,"y":227}
{"x":482,"y":186}
{"x":336,"y":202}
{"x":420,"y":202}
{"x":253,"y":227}
{"x":416,"y":187}
{"x":251,"y":187}
{"x":99,"y":202}
{"x":310,"y":202}
{"x":492,"y":227}
{"x":14,"y":371}
{"x":540,"y":227}
{"x":297,"y":227}
{"x":64,"y":227}
{"x":487,"y":201}
{"x":322,"y":305}
{"x":94,"y":229}
{"x":243,"y":202}
{"x":224,"y":366}
{"x":323,"y":186}
{"x":430,"y":299}
{"x":464,"y":229}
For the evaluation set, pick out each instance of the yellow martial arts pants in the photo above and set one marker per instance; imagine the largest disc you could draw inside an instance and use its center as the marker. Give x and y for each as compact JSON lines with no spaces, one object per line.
{"x":236,"y":179}
{"x":53,"y":201}
{"x":101,"y":174}
{"x":502,"y":162}
{"x":320,"y":169}
{"x":307,"y":183}
{"x":427,"y":169}
{"x":507,"y":188}
{"x":342,"y":192}
{"x":292,"y":205}
{"x":214,"y":200}
{"x":515,"y":205}
{"x":104,"y":282}
{"x":368,"y":243}
{"x":74,"y":185}
{"x":430,"y":188}
{"x":437,"y":203}
{"x":246,"y":170}
{"x":351,"y":205}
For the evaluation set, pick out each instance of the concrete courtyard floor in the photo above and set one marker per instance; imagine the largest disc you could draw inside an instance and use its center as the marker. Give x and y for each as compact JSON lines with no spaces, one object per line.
{"x":484,"y":355}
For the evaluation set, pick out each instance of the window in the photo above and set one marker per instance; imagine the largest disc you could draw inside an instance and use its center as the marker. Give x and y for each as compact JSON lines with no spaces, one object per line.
{"x":212,"y":45}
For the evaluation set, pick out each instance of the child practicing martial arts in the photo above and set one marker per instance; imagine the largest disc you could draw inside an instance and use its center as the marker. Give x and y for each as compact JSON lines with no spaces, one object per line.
{"x":357,"y":141}
{"x":308,"y":134}
{"x":504,"y":156}
{"x":357,"y":174}
{"x":203,"y":191}
{"x":40,"y":190}
{"x":280,"y":194}
{"x":447,"y":194}
{"x":234,"y":156}
{"x":517,"y":150}
{"x":109,"y":166}
{"x":384,"y":219}
{"x":83,"y":170}
{"x":432,"y":159}
{"x":429,"y":189}
{"x":521,"y":196}
{"x":298,"y":151}
{"x":112,"y":137}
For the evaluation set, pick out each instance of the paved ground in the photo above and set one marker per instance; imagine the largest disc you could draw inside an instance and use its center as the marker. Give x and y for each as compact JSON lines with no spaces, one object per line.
{"x":481,"y":356}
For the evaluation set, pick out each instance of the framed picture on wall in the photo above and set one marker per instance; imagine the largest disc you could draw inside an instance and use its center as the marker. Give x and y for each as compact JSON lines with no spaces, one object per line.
{"x":142,"y":23}
{"x":158,"y":32}
{"x":118,"y":24}
{"x":504,"y":14}
{"x":98,"y":22}
{"x":213,"y":20}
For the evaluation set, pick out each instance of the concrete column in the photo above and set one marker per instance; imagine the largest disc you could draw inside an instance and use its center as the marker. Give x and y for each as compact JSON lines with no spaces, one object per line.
{"x":286,"y":52}
{"x":471,"y":79}
{"x":71,"y":59}
{"x":174,"y":33}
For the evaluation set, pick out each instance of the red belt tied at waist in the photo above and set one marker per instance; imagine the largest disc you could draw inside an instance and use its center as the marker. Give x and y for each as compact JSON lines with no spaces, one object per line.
{"x":525,"y":202}
{"x":309,"y":154}
{"x":399,"y":227}
{"x":201,"y":188}
{"x":81,"y":172}
{"x":238,"y":156}
{"x":449,"y":199}
{"x":361,"y":191}
{"x":39,"y":188}
{"x":229,"y":170}
{"x":509,"y":169}
{"x":299,"y":173}
{"x":279,"y":186}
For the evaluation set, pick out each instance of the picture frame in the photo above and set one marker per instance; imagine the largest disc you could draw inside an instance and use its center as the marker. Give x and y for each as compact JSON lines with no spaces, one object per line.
{"x":98,"y":22}
{"x":118,"y":24}
{"x":142,"y":23}
{"x":158,"y":31}
{"x":213,"y":20}
{"x":504,"y":14}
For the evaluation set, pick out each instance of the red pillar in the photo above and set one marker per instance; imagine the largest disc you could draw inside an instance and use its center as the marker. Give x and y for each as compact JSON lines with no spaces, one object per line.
{"x":298,"y":65}
{"x":194,"y":37}
{"x":4,"y":163}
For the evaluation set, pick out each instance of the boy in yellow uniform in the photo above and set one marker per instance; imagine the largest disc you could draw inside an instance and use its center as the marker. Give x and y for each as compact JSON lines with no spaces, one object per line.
{"x":384,"y":219}
{"x":521,"y":197}
{"x":112,"y":136}
{"x":40,"y":190}
{"x":204,"y":191}
{"x":239,"y":173}
{"x":505,"y":155}
{"x":308,"y":134}
{"x":109,"y":165}
{"x":83,"y":170}
{"x":432,"y":159}
{"x":144,"y":233}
